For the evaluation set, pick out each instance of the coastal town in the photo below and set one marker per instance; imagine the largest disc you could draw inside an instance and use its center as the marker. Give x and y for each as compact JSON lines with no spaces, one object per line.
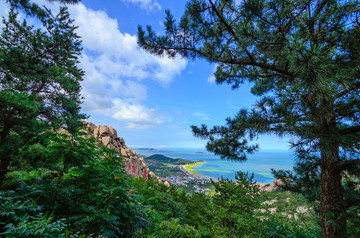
{"x":179,"y":172}
{"x":193,"y":182}
{"x":190,"y":181}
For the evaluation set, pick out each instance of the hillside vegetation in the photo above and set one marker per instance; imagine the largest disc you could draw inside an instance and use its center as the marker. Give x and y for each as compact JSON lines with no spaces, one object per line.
{"x":57,"y":181}
{"x":164,"y":166}
{"x":98,"y":198}
{"x":161,"y":159}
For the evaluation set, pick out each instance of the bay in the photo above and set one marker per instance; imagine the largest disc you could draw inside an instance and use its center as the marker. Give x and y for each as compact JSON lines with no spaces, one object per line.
{"x":259,"y":163}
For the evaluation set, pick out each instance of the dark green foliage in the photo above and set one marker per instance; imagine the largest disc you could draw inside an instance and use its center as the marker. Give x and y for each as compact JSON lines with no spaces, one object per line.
{"x":33,"y":9}
{"x":302,"y":58}
{"x":156,"y":196}
{"x":235,"y":203}
{"x":173,"y":228}
{"x":241,"y":194}
{"x":40,"y":84}
{"x":59,"y":183}
{"x":275,"y":228}
{"x":66,"y":150}
{"x":353,"y":224}
{"x":231,"y":212}
{"x":93,"y":197}
{"x":22,"y":217}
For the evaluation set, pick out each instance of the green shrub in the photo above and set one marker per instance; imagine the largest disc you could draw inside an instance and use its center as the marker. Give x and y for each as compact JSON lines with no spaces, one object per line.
{"x":94,"y":197}
{"x":21,"y":217}
{"x":173,"y":228}
{"x":275,"y":228}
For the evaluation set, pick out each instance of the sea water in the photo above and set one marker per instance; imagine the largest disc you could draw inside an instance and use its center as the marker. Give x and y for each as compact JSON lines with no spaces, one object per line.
{"x":259,"y":163}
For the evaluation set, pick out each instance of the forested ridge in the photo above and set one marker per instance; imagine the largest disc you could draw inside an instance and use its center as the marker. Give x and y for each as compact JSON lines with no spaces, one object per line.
{"x":302,"y":59}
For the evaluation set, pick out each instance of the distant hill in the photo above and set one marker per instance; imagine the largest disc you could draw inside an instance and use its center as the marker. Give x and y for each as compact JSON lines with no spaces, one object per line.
{"x":164,"y":166}
{"x":164,"y":159}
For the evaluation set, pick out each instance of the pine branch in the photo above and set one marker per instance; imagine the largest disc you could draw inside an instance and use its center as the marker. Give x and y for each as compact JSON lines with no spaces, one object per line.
{"x":351,"y":89}
{"x":221,"y":18}
{"x":318,"y":10}
{"x":350,"y":130}
{"x":252,"y":60}
{"x":343,"y":165}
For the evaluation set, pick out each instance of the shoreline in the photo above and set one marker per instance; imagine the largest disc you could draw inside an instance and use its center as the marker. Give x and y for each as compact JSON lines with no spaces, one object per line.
{"x":187,"y":169}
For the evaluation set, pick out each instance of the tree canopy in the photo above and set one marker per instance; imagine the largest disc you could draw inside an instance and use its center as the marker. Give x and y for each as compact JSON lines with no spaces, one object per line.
{"x":40,"y":83}
{"x":302,"y":59}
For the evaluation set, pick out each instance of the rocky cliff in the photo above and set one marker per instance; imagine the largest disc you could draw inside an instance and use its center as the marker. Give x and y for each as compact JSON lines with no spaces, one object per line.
{"x":134,"y":164}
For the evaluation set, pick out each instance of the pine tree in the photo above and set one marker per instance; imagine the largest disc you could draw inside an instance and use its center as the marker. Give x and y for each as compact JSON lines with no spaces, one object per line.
{"x":39,"y":83}
{"x":302,"y":59}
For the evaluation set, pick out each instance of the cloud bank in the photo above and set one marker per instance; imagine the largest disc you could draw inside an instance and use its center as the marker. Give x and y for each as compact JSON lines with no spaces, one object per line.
{"x":116,"y":68}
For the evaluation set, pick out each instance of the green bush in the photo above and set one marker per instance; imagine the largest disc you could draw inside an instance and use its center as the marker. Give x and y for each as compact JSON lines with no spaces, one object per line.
{"x":275,"y":228}
{"x":173,"y":228}
{"x":94,"y":197}
{"x":21,"y":217}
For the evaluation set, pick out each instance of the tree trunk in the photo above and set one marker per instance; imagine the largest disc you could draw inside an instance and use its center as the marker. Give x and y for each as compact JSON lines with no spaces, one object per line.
{"x":4,"y":154}
{"x":5,"y":161}
{"x":332,"y":209}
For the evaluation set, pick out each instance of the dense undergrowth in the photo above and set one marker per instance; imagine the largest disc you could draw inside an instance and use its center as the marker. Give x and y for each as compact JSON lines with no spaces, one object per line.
{"x":93,"y":196}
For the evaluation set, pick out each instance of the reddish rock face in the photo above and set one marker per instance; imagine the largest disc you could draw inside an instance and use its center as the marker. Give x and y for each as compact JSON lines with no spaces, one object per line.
{"x":134,"y":165}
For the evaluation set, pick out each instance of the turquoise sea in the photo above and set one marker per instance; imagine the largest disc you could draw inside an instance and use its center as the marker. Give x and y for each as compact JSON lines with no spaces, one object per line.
{"x":259,"y":163}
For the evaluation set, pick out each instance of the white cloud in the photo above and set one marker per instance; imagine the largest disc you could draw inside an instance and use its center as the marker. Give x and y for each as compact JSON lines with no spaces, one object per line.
{"x":116,"y":67}
{"x":148,"y":5}
{"x":211,"y":79}
{"x":4,"y":10}
{"x":117,"y":53}
{"x":135,"y":115}
{"x":202,"y":116}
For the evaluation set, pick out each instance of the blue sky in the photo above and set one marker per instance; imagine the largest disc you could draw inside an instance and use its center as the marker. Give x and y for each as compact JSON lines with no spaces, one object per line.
{"x":150,"y":101}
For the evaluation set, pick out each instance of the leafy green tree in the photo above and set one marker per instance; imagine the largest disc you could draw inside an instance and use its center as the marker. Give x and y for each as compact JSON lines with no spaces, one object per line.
{"x":93,"y":197}
{"x":302,"y":58}
{"x":235,"y":203}
{"x":40,"y":83}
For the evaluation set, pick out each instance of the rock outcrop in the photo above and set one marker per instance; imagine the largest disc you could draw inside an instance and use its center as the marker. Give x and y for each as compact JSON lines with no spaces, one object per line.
{"x":271,"y":186}
{"x":133,"y":163}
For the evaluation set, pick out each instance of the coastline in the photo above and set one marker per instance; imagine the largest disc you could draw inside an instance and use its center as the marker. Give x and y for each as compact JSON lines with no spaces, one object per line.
{"x":259,"y":163}
{"x":187,"y":169}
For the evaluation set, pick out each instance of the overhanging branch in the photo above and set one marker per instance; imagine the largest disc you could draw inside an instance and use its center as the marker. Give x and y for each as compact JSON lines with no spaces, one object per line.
{"x":348,"y":163}
{"x":350,"y":130}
